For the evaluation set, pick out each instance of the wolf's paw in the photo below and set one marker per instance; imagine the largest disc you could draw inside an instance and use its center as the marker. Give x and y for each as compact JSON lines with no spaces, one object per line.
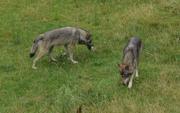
{"x":54,"y":60}
{"x":64,"y":54}
{"x":130,"y":85}
{"x":137,"y":75}
{"x":34,"y":67}
{"x":74,"y":62}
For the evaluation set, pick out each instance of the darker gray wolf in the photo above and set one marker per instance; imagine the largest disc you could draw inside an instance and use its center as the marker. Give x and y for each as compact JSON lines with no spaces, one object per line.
{"x":129,"y":66}
{"x":67,"y":36}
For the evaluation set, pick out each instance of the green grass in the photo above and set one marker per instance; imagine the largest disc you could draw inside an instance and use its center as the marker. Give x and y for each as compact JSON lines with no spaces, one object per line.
{"x":61,"y":87}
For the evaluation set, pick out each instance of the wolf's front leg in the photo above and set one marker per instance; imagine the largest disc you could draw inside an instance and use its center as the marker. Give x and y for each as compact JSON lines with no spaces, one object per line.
{"x":136,"y":67}
{"x":131,"y":81}
{"x":137,"y":73}
{"x":69,"y":49}
{"x":34,"y":65}
{"x":65,"y":50}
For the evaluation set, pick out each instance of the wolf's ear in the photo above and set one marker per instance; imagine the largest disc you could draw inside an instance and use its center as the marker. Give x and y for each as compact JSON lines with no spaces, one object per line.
{"x":88,"y":36}
{"x":121,"y":66}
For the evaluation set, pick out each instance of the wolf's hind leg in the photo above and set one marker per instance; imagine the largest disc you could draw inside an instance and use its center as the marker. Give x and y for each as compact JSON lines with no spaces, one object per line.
{"x":40,"y":54}
{"x":65,"y":50}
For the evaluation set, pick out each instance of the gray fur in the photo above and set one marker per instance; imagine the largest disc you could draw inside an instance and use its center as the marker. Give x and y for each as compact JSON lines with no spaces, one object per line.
{"x":129,"y":66}
{"x":35,"y":45}
{"x":67,"y":36}
{"x":131,"y":51}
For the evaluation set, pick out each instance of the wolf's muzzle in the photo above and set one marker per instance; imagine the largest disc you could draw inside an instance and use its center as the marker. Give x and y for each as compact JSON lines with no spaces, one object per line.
{"x":90,"y":47}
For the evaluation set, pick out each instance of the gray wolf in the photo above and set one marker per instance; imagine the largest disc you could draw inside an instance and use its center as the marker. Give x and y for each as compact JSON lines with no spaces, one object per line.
{"x":129,"y":66}
{"x":67,"y":36}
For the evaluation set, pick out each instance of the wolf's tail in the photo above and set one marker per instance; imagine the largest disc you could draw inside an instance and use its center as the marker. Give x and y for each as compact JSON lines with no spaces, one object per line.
{"x":35,"y":45}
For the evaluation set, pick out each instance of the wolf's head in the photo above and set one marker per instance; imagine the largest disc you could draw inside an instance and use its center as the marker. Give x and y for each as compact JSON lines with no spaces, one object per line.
{"x":126,"y":72}
{"x":87,"y":40}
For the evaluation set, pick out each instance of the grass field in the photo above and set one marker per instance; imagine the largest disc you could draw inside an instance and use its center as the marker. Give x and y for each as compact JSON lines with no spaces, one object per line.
{"x":94,"y":82}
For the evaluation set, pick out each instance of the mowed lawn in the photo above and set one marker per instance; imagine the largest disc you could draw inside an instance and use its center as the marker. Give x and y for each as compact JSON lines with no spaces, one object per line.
{"x":94,"y":82}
